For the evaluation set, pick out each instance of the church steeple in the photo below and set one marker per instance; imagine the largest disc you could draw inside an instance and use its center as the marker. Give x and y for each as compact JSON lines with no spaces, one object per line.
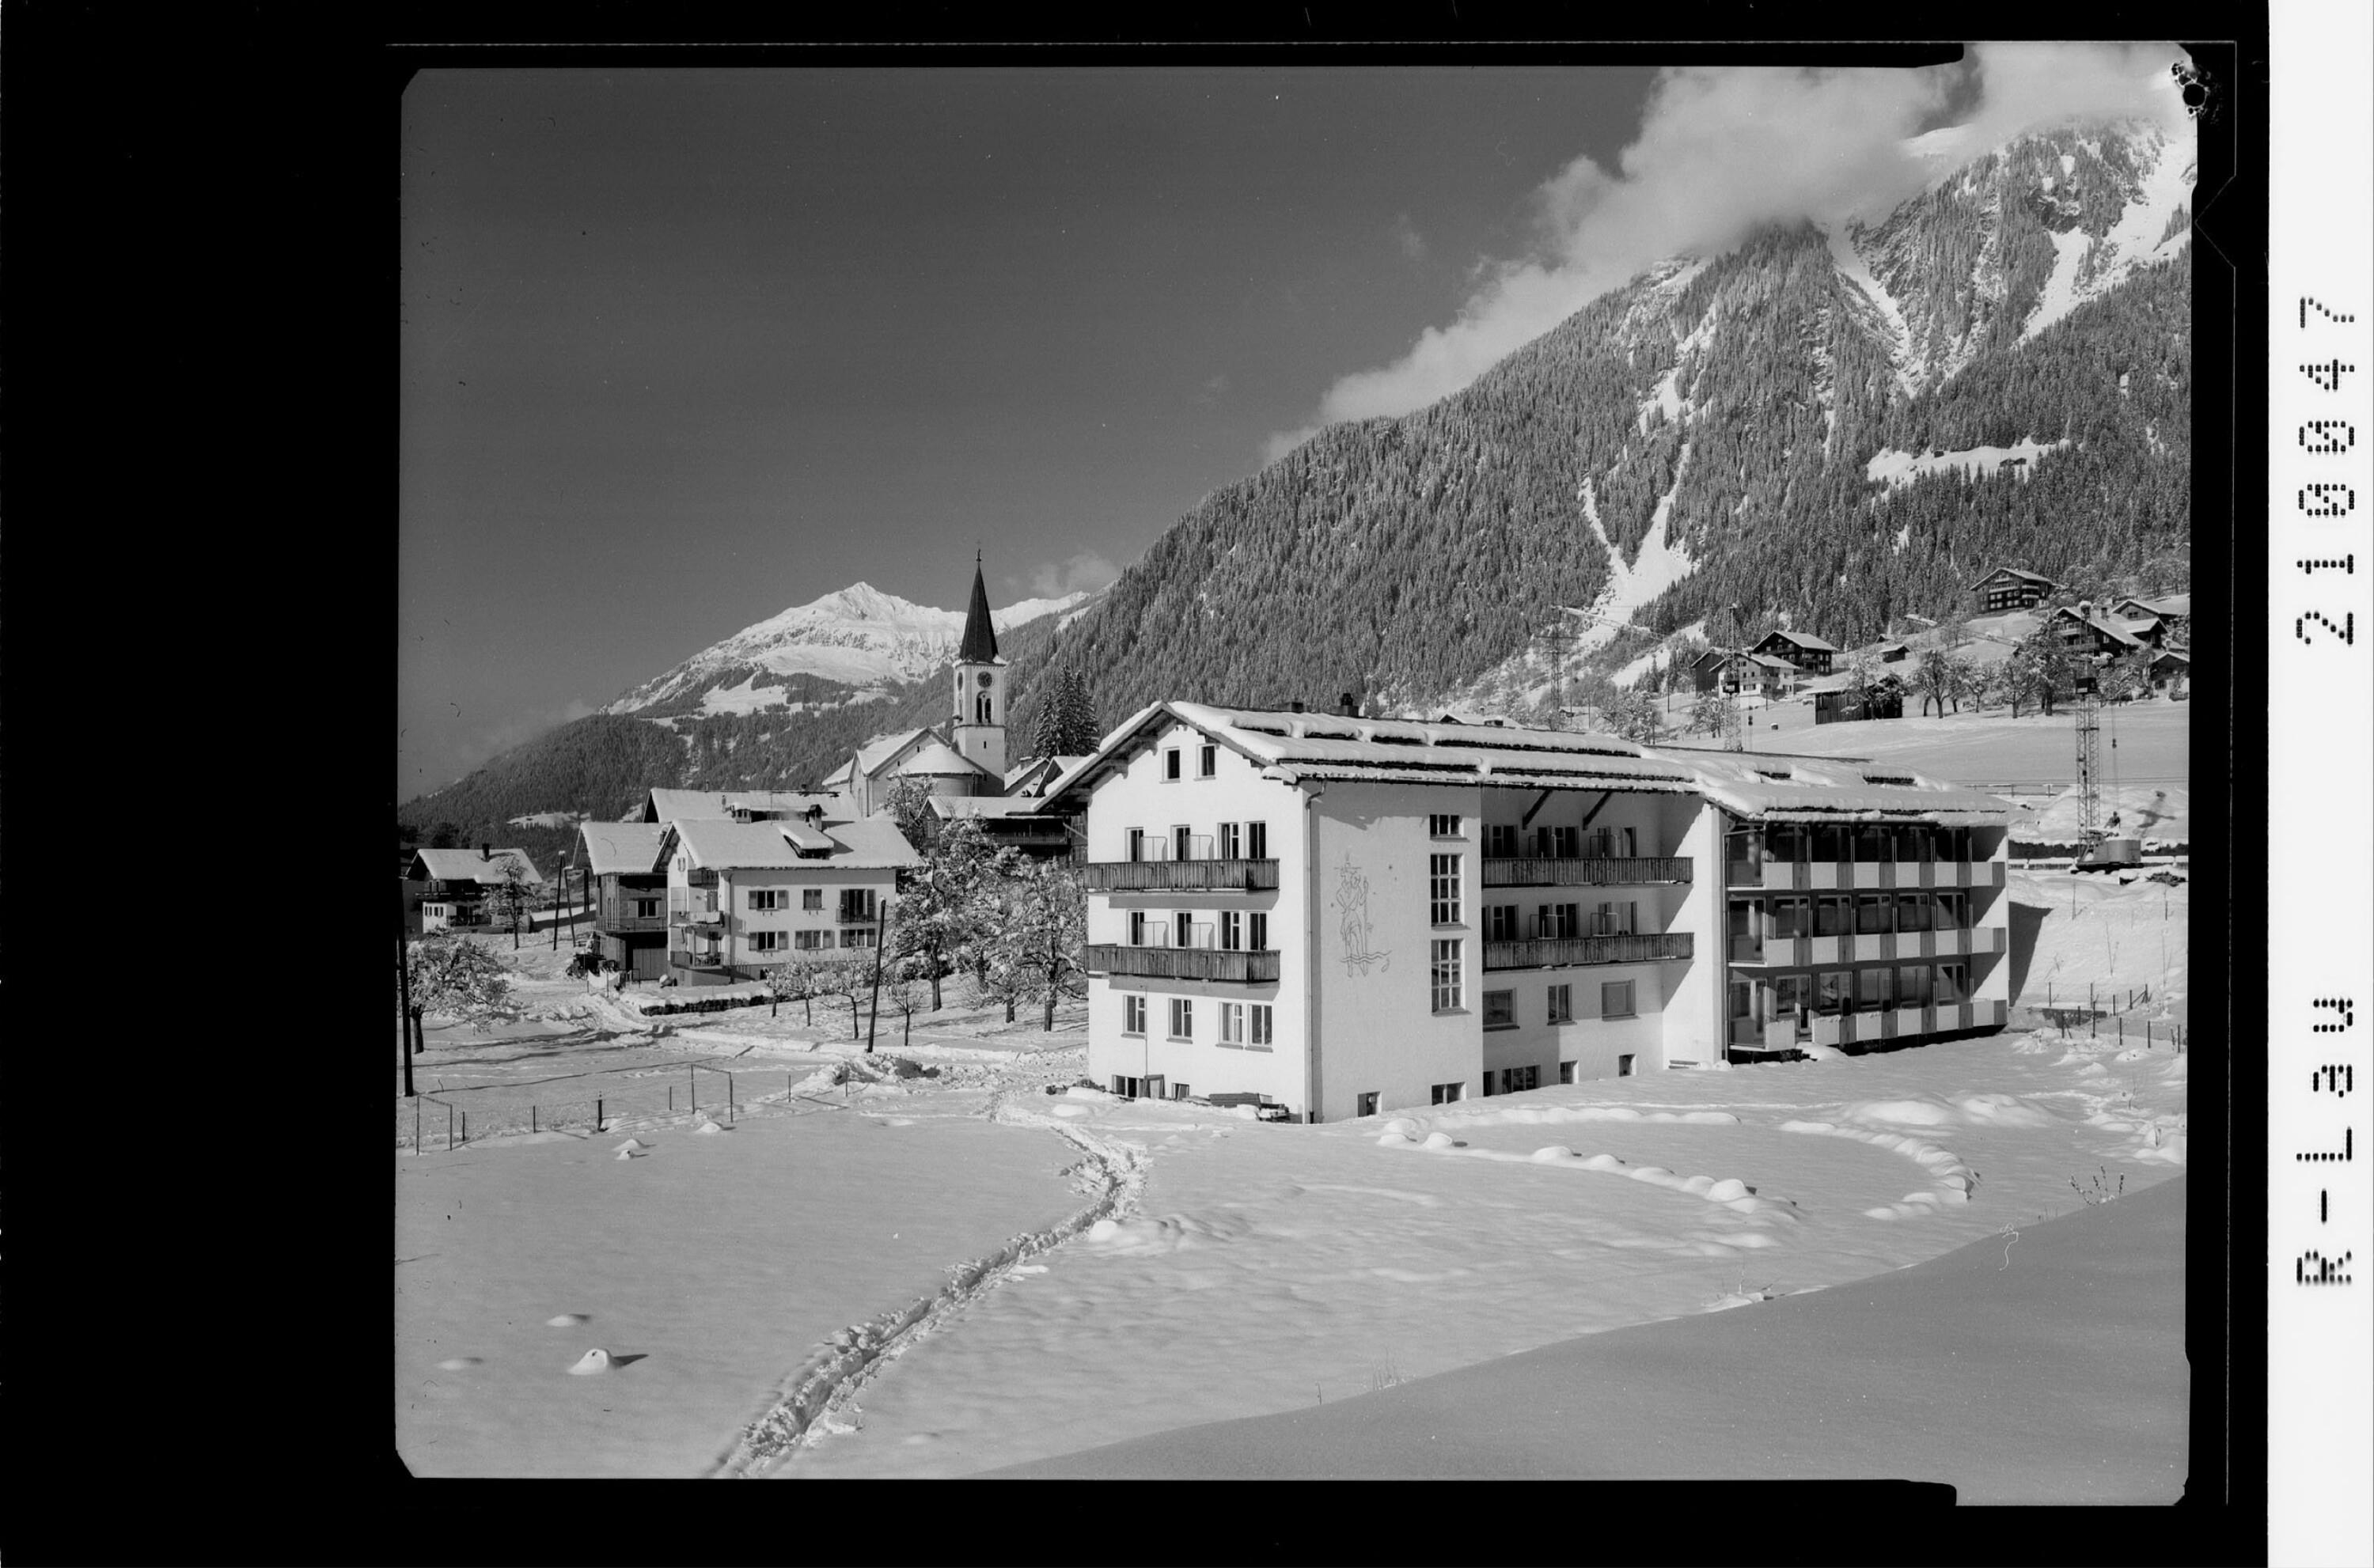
{"x":978,"y":731}
{"x":980,"y":645}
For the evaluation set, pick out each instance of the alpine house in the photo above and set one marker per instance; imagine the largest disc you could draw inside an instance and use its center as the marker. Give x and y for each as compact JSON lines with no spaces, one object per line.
{"x":1340,"y":916}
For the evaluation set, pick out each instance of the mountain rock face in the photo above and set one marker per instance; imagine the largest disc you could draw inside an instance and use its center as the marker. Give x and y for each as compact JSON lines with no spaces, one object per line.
{"x":859,"y":641}
{"x":1800,"y":431}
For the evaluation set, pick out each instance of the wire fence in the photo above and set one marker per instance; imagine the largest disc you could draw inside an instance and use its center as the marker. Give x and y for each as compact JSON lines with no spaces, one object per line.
{"x":2131,"y":1014}
{"x":436,"y":1120}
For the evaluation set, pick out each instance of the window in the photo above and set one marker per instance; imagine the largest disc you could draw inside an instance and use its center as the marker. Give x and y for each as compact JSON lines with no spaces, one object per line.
{"x":769,"y":941}
{"x":812,"y":899}
{"x":1563,"y":842}
{"x":981,"y":709}
{"x":1833,"y":991}
{"x":1231,"y":930}
{"x":1259,"y":921}
{"x":857,"y":904}
{"x":647,"y":909}
{"x":1232,"y":1024}
{"x":1447,"y":972}
{"x":1500,"y":1009}
{"x":1256,"y":841}
{"x":1367,"y":1104}
{"x":1170,"y":765}
{"x":1953,"y":912}
{"x":1133,"y":1014}
{"x":1207,"y":762}
{"x":1499,"y":922}
{"x":857,"y":936}
{"x":1624,"y":1066}
{"x":1617,"y":917}
{"x":1871,"y":990}
{"x":1913,"y":912}
{"x":1500,"y":839}
{"x":1554,"y":922}
{"x":1796,"y":994}
{"x":762,"y":898}
{"x":1232,"y":841}
{"x":1562,"y":1004}
{"x":1442,"y":889}
{"x":1137,"y":844}
{"x":1615,"y":998}
{"x":1829,"y":844}
{"x":1792,"y":916}
{"x":1261,"y":1023}
{"x":1183,"y":927}
{"x":809,"y":940}
{"x":1785,"y":843}
{"x":1182,"y":1018}
{"x":1517,"y":1079}
{"x":1953,"y":984}
{"x":1137,"y":928}
{"x":1442,"y":827}
{"x":1870,"y":913}
{"x":1179,"y":1091}
{"x":1566,"y":1072}
{"x":1912,"y":986}
{"x":1182,"y":843}
{"x":1449,"y":1094}
{"x":1487,"y":1083}
{"x":1830,"y":917}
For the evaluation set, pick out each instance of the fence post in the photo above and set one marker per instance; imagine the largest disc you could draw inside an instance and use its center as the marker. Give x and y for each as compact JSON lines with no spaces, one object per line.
{"x":465,"y":1127}
{"x":692,"y":1087}
{"x":729,"y":1099}
{"x":416,"y":1126}
{"x":449,"y":1128}
{"x":597,"y":1112}
{"x":671,"y":1096}
{"x":531,"y":1118}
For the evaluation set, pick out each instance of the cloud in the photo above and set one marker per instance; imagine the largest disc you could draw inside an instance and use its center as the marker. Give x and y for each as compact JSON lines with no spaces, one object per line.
{"x":1722,"y":152}
{"x":503,"y":737}
{"x":1082,"y":572}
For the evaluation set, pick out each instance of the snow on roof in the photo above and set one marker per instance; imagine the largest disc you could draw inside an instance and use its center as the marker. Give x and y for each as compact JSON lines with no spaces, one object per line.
{"x":938,"y":759}
{"x":690,"y":805}
{"x":869,"y":843}
{"x":1805,"y":640}
{"x":870,"y":758}
{"x":2015,"y":571}
{"x":2173,"y":604}
{"x":949,"y":807}
{"x":1828,"y":791}
{"x":630,"y":849}
{"x":465,"y":865}
{"x":1770,"y":662}
{"x":2112,"y":627}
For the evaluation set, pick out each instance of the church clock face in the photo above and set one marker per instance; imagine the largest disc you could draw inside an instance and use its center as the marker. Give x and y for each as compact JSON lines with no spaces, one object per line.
{"x":982,"y":679}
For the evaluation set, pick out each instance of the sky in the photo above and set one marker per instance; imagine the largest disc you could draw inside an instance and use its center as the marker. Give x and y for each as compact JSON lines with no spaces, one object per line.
{"x":682,"y":348}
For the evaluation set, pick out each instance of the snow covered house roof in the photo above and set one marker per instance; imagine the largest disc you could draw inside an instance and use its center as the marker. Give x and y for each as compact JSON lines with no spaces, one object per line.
{"x":1293,"y":747}
{"x":868,"y":844}
{"x":1844,"y":679}
{"x":468,"y":865}
{"x":720,"y":805}
{"x":949,"y":807}
{"x":871,"y":758}
{"x":2039,"y":577}
{"x":1804,"y":639}
{"x":1033,"y":777}
{"x":2116,"y":629}
{"x":938,"y":760}
{"x":2174,"y":605}
{"x":1832,"y":791}
{"x":630,"y":849}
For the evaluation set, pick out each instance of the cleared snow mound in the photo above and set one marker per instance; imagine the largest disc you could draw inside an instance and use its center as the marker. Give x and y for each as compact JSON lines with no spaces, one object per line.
{"x":1441,"y":1141}
{"x":593,"y":1361}
{"x":1396,"y":1141}
{"x":1402,"y":1124}
{"x":626,"y":1151}
{"x":708,"y":1127}
{"x":1556,"y":1154}
{"x":567,"y":1320}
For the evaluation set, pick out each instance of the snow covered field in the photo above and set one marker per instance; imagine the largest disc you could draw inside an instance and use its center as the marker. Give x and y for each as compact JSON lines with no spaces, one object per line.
{"x":912,"y":1275}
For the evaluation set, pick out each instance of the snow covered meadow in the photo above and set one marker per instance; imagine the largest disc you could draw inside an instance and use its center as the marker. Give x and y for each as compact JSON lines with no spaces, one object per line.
{"x":946,"y":1271}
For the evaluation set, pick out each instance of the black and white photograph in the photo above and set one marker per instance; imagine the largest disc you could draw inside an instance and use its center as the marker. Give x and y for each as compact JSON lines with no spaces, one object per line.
{"x":1247,"y":769}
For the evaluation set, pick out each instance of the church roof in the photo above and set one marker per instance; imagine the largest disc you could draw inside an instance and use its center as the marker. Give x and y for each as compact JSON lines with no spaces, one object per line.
{"x":980,"y":645}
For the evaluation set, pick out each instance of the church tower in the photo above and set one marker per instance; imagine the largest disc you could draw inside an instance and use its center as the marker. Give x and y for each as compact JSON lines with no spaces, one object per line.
{"x":979,"y":732}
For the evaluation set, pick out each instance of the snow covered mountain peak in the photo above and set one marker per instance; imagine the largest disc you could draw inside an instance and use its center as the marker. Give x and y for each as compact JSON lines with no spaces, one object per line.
{"x":858,"y":635}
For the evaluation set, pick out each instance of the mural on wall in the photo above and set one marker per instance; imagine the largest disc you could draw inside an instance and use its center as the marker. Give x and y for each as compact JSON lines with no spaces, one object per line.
{"x":1352,"y":897}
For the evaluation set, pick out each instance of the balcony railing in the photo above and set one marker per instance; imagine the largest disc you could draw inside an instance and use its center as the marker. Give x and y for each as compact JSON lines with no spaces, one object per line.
{"x":1781,"y":877}
{"x":1238,"y":966}
{"x":1181,"y":876}
{"x":1570,"y":871}
{"x":1554,"y":953}
{"x":1866,"y":947}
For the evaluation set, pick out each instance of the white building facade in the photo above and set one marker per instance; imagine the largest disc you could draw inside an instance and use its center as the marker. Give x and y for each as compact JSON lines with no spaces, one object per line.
{"x":1345,"y":916}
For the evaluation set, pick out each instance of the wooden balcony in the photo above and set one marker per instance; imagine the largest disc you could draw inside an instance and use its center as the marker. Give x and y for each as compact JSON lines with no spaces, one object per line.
{"x":1228,"y":966}
{"x":1563,"y":871}
{"x":1784,"y":876}
{"x":618,"y":915}
{"x":1181,"y":876}
{"x":1557,"y":953}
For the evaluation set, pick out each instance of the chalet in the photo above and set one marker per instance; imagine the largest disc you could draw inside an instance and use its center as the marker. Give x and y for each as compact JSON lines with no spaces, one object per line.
{"x":1014,"y":821}
{"x":1347,"y":916}
{"x":2173,"y":612}
{"x":740,"y":805}
{"x":743,"y":897}
{"x":450,"y":889}
{"x":1762,"y":673}
{"x":2098,"y":633}
{"x":2008,"y":588}
{"x":1839,"y":699}
{"x":1705,"y":671}
{"x":630,"y":893}
{"x":2170,"y":667}
{"x":1807,"y":651}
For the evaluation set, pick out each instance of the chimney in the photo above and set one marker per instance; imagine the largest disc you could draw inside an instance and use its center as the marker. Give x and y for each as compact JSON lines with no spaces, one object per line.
{"x":1348,"y":708}
{"x":486,"y":851}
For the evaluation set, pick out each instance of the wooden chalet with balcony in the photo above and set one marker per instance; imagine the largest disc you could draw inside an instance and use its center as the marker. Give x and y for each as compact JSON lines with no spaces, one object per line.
{"x":630,"y":894}
{"x":456,"y":889}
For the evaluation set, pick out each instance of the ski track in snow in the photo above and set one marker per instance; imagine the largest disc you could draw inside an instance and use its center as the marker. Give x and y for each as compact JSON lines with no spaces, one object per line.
{"x":816,"y":1396}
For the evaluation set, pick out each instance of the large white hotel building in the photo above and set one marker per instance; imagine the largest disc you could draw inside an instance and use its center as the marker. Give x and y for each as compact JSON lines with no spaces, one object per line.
{"x":1345,"y":916}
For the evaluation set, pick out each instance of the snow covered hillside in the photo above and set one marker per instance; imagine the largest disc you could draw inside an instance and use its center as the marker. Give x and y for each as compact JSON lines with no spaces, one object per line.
{"x":859,"y":636}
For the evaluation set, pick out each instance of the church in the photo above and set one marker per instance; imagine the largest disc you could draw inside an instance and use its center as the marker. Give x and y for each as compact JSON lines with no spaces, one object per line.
{"x":963,"y":761}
